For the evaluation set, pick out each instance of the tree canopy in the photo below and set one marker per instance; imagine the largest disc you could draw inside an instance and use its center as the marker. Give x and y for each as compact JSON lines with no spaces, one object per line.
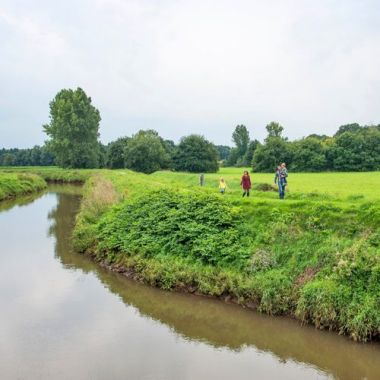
{"x":73,"y":130}
{"x":196,"y":154}
{"x":145,"y":152}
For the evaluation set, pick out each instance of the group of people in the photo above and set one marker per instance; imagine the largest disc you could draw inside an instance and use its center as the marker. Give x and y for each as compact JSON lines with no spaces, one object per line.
{"x":280,"y":180}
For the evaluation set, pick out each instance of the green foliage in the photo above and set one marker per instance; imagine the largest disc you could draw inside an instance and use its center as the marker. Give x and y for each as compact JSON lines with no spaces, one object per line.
{"x":242,"y":154}
{"x":196,"y":154}
{"x":353,"y":148}
{"x":224,"y":151}
{"x":240,"y":137}
{"x":116,"y":153}
{"x":269,"y":155}
{"x":357,"y":151}
{"x":13,"y":185}
{"x":274,"y":129}
{"x":73,"y":130}
{"x":146,"y":152}
{"x":308,"y":155}
{"x":36,"y":156}
{"x":165,"y":222}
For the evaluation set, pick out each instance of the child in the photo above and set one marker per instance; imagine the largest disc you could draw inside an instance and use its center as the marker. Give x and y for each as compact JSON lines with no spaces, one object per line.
{"x":222,"y":186}
{"x":245,"y":183}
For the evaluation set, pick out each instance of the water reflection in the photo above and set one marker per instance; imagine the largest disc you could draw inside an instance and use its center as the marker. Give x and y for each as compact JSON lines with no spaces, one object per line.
{"x":222,"y":326}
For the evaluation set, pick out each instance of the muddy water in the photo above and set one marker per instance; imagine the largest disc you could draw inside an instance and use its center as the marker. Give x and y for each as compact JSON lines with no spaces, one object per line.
{"x":63,"y":317}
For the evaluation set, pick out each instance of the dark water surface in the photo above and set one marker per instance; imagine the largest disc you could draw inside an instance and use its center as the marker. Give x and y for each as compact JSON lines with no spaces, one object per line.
{"x":63,"y":317}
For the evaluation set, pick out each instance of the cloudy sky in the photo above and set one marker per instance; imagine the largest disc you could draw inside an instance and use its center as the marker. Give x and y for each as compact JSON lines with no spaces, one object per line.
{"x":195,"y":66}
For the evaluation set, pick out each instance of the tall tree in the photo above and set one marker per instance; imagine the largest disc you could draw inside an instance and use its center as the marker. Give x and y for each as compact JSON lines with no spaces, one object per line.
{"x":276,"y":149}
{"x":73,"y":129}
{"x":240,"y":137}
{"x":145,"y":152}
{"x":196,"y":154}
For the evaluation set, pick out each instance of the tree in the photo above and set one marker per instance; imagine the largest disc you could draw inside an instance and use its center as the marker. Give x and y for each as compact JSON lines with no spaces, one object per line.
{"x":145,"y":152}
{"x":9,"y":159}
{"x":309,"y":154}
{"x":73,"y":129}
{"x":269,"y":155}
{"x":196,"y":154}
{"x":170,"y":149}
{"x":116,"y":153}
{"x":353,"y":127}
{"x":274,"y":129}
{"x":357,"y":151}
{"x":223,"y":151}
{"x":248,"y":157}
{"x":240,"y":137}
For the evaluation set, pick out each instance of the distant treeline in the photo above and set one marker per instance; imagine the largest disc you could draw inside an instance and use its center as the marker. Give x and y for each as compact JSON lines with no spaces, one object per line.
{"x":36,"y":156}
{"x":352,"y":148}
{"x":73,"y":134}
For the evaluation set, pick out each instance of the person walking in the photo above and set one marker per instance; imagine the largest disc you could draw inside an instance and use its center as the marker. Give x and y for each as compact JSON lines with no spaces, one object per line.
{"x":222,"y":185}
{"x":245,"y":183}
{"x":280,"y":179}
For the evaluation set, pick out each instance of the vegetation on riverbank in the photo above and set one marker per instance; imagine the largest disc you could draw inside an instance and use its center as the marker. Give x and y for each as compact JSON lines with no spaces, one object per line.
{"x":315,"y":256}
{"x":52,"y":174}
{"x":15,"y":184}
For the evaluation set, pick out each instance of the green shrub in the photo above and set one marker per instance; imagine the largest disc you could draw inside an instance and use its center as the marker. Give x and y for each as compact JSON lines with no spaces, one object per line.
{"x":200,"y":226}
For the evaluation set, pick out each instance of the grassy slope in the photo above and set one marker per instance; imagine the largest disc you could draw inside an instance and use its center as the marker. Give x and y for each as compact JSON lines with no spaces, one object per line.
{"x":314,"y":256}
{"x":16,"y":184}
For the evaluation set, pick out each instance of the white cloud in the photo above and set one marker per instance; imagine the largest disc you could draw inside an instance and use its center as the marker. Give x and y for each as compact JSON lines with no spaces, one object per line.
{"x":191,"y":66}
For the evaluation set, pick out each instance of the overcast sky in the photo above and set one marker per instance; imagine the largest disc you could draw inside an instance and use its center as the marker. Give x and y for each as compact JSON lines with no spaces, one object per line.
{"x":195,"y":66}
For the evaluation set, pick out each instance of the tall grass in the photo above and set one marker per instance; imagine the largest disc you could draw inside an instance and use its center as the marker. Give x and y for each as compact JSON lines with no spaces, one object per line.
{"x":16,"y":184}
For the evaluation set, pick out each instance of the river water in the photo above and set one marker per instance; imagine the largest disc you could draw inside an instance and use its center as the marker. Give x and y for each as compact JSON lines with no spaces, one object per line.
{"x":64,"y":317}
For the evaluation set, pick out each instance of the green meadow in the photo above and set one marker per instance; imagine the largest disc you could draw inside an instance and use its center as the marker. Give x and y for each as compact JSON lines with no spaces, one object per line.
{"x":314,"y":256}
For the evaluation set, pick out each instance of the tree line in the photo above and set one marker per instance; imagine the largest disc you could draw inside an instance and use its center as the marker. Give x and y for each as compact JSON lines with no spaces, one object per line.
{"x":73,"y":142}
{"x":352,"y":148}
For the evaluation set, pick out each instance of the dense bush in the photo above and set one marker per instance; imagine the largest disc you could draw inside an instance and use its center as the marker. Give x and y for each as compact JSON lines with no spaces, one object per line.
{"x":201,"y":227}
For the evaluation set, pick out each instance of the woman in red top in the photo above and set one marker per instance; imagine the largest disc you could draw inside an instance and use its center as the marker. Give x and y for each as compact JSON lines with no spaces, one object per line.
{"x":245,"y":183}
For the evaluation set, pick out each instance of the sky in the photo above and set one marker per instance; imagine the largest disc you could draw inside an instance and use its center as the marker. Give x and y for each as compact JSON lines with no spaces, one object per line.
{"x":195,"y":66}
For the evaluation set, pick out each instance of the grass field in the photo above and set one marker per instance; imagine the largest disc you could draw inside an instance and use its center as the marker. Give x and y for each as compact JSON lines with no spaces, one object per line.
{"x":315,"y":256}
{"x":338,"y":185}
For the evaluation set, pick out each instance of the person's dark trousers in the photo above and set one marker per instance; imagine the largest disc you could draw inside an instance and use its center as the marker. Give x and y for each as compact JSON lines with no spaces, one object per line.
{"x":281,"y":188}
{"x":246,"y":192}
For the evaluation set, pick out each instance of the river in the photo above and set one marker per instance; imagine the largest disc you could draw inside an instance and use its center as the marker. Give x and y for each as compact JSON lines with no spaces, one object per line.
{"x":64,"y":317}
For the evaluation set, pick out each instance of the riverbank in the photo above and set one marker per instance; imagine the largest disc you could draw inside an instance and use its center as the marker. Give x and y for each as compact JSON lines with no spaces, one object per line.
{"x":315,"y":257}
{"x":13,"y":185}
